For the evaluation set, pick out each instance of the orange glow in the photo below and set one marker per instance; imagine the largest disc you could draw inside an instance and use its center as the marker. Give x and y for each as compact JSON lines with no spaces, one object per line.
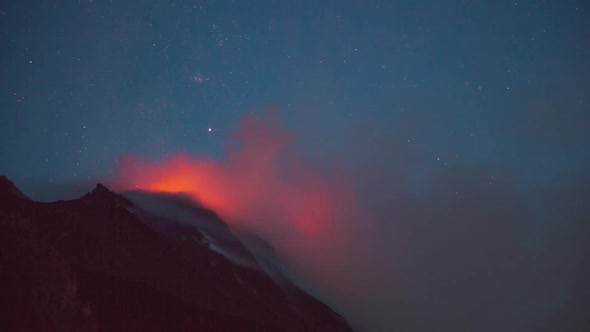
{"x":254,"y":186}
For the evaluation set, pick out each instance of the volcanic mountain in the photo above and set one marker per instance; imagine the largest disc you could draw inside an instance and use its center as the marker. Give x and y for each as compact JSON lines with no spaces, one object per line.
{"x":108,"y":262}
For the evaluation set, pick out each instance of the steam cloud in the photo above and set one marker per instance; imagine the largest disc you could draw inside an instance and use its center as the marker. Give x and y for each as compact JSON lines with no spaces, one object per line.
{"x":265,"y":187}
{"x":460,"y":255}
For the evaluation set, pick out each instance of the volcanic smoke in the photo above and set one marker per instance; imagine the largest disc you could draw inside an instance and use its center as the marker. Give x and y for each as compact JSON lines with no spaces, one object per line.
{"x":264,"y":186}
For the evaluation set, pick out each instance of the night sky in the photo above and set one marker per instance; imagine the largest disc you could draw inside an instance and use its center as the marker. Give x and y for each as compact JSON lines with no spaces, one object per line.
{"x":420,"y":101}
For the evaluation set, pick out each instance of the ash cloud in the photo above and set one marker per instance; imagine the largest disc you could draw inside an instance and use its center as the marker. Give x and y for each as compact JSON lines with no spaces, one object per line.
{"x":449,"y":251}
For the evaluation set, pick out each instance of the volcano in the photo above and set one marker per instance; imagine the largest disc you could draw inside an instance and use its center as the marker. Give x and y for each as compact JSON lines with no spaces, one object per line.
{"x":139,"y":262}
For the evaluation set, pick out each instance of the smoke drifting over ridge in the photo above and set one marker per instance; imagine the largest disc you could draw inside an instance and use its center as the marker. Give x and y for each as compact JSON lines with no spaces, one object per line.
{"x":265,"y":187}
{"x":459,"y":254}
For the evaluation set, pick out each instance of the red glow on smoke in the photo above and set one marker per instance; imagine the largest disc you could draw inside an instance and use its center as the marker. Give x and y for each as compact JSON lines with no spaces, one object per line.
{"x":262,"y":182}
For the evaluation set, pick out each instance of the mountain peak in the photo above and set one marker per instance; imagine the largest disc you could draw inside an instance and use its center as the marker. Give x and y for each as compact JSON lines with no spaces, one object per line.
{"x":4,"y":180}
{"x":7,"y":188}
{"x":102,"y":193}
{"x":101,"y":189}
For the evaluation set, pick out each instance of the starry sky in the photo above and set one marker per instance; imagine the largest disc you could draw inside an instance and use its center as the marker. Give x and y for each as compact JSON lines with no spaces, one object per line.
{"x":414,"y":97}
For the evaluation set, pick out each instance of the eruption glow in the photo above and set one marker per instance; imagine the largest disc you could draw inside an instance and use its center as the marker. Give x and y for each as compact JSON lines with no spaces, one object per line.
{"x":263,"y":187}
{"x":262,"y":183}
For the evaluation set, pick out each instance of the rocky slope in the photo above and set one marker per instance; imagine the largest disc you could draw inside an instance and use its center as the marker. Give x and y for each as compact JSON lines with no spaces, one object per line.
{"x":102,"y":263}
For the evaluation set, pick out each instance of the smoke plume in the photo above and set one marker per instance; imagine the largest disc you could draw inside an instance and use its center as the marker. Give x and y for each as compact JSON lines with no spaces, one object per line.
{"x":453,"y":251}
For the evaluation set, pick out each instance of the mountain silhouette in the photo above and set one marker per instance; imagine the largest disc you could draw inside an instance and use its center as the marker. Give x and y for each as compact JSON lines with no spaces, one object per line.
{"x":105,"y":263}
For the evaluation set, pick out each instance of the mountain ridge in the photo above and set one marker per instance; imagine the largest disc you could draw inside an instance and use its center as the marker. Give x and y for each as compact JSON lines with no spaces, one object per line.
{"x":113,"y":270}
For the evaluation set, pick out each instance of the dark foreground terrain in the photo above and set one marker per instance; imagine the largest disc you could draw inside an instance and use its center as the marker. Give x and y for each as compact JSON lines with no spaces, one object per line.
{"x":101,"y":263}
